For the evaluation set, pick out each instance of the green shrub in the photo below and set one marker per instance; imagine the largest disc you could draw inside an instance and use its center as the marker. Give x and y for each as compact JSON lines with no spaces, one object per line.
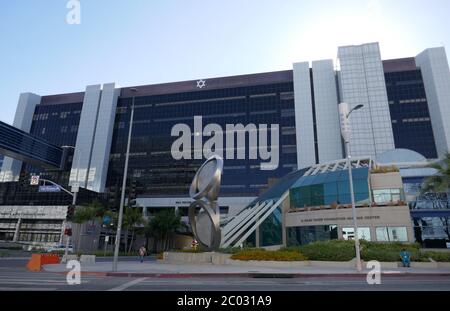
{"x":338,"y":250}
{"x":334,"y":250}
{"x":263,"y":255}
{"x":389,"y":252}
{"x":437,"y":256}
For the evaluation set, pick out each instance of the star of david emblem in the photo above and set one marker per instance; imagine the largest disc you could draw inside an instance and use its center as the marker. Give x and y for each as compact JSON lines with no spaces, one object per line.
{"x":201,"y":84}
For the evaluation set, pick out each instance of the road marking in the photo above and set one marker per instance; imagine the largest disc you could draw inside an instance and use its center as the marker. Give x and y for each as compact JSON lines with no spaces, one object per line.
{"x":28,"y":289}
{"x":127,"y":285}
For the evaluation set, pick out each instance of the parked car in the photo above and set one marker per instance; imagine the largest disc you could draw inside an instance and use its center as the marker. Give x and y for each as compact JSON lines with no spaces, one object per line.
{"x":60,"y":248}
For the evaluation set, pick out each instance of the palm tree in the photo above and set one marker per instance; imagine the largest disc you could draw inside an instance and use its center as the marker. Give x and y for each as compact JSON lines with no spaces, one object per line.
{"x":162,"y":225}
{"x":132,"y":219}
{"x":439,"y":183}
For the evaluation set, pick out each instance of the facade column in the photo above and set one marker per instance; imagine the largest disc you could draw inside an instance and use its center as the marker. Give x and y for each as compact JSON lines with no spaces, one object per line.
{"x":257,"y":242}
{"x":63,"y":228}
{"x":17,"y":231}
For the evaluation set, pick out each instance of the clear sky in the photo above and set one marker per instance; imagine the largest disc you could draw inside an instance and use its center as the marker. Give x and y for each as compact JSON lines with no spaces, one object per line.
{"x":136,"y":42}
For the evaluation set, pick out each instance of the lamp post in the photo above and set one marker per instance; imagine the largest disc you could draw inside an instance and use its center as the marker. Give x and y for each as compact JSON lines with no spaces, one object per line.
{"x":344,"y":114}
{"x":124,"y":184}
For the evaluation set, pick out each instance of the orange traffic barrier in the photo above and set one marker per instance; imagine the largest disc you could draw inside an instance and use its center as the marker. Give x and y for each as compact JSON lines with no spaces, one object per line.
{"x":38,"y":260}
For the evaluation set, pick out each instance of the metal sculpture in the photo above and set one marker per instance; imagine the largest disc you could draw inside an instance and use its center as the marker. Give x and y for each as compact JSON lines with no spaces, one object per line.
{"x":206,"y":184}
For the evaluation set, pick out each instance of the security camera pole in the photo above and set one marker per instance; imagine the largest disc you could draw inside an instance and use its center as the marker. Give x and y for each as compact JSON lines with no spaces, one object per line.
{"x":124,"y":184}
{"x":344,"y":115}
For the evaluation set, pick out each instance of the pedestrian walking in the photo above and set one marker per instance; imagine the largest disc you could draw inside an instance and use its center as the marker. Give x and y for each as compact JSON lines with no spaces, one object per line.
{"x":142,"y":253}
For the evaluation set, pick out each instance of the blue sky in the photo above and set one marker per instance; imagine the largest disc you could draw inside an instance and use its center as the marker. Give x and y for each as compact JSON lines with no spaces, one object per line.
{"x":142,"y":41}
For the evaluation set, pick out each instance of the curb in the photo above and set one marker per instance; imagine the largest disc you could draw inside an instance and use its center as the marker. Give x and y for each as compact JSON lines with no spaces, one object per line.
{"x":252,"y":275}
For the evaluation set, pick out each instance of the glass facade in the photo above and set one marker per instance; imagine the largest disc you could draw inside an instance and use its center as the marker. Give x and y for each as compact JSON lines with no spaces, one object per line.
{"x":330,"y":188}
{"x":363,"y":233}
{"x":151,"y":163}
{"x":271,"y":231}
{"x":392,"y":234}
{"x":305,"y":235}
{"x":381,"y":196}
{"x":410,"y":115}
{"x":58,"y":124}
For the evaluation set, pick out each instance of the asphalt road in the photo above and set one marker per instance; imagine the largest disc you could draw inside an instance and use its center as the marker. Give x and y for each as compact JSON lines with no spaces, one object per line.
{"x":15,"y":277}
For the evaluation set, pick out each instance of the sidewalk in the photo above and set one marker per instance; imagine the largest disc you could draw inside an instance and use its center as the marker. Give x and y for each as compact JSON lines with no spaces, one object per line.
{"x":160,"y":269}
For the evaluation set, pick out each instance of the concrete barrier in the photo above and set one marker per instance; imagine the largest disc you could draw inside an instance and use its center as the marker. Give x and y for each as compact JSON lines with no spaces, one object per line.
{"x":193,"y":258}
{"x":87,"y":258}
{"x":38,"y":260}
{"x":69,"y":258}
{"x":225,"y":259}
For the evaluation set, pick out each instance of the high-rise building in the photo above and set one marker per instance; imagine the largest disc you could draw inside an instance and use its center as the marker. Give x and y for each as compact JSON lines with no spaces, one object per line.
{"x":405,"y":105}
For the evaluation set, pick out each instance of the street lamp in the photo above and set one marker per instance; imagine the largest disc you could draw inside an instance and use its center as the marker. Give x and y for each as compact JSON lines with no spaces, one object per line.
{"x":124,"y":183}
{"x":346,"y":133}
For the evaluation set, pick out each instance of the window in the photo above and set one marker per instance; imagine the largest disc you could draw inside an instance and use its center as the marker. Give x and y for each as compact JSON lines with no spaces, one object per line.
{"x":387,"y":195}
{"x":310,"y":234}
{"x":63,"y":115}
{"x":392,"y":234}
{"x":363,"y":233}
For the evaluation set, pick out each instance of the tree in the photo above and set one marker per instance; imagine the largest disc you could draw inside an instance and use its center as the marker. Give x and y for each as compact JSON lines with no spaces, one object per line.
{"x":162,"y":225}
{"x":90,"y":212}
{"x":439,"y":183}
{"x":82,"y":214}
{"x":132,"y":218}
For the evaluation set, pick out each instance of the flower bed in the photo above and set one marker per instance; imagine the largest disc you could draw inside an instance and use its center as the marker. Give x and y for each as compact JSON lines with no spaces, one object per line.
{"x":263,"y":255}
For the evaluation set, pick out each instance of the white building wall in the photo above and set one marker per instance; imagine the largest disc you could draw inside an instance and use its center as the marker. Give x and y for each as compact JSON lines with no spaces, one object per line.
{"x":327,"y":112}
{"x":303,"y":115}
{"x":436,"y":77}
{"x":362,"y":82}
{"x":85,"y":136}
{"x":103,"y":136}
{"x":22,"y":120}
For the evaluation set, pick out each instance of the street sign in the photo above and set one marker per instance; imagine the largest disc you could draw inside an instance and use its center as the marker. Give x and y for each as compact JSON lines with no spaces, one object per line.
{"x":75,"y":187}
{"x":49,"y":189}
{"x":34,"y":180}
{"x":107,"y":239}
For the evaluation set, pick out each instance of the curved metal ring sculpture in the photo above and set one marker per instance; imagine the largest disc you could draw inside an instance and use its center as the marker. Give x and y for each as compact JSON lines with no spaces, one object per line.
{"x":206,"y":184}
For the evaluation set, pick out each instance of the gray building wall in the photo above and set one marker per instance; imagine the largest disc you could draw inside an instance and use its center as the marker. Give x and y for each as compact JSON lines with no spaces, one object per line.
{"x":362,"y":82}
{"x":327,"y":112}
{"x":303,"y":115}
{"x":85,"y":136}
{"x":103,"y":136}
{"x":436,"y":77}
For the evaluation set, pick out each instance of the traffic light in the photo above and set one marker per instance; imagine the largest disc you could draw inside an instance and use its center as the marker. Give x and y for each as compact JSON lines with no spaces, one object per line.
{"x":68,"y":231}
{"x":132,"y":195}
{"x":113,"y":196}
{"x":70,"y":212}
{"x":24,"y":179}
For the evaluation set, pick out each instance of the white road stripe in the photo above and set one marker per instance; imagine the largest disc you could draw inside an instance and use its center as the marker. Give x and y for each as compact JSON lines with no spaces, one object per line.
{"x":30,"y":283}
{"x":27,"y":289}
{"x":127,"y":285}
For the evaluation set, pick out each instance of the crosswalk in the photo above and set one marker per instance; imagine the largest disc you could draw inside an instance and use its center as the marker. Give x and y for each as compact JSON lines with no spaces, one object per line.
{"x":26,"y":281}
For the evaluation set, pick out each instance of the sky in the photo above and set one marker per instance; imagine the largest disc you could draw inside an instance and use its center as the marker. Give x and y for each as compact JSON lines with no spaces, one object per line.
{"x":138,"y":42}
